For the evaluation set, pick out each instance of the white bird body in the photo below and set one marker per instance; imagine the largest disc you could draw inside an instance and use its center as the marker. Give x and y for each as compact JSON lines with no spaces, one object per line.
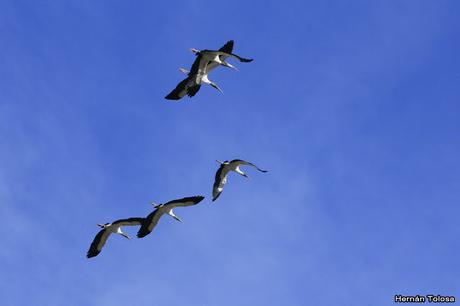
{"x":223,"y":171}
{"x":152,"y":219}
{"x":107,"y":229}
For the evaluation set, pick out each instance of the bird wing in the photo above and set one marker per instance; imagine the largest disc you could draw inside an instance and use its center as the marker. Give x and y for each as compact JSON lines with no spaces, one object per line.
{"x":199,"y":66}
{"x":193,"y":90}
{"x":224,"y":55}
{"x":128,"y":222}
{"x":149,"y":223}
{"x":188,"y":87}
{"x":98,"y":243}
{"x":227,"y":50}
{"x":228,"y":47}
{"x":188,"y":201}
{"x":242,"y":162}
{"x":180,"y":90}
{"x":211,"y":66}
{"x":219,"y":181}
{"x":191,"y":85}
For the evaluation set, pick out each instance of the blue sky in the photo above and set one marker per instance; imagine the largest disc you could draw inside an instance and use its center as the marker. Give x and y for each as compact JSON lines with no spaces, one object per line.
{"x":352,"y":107}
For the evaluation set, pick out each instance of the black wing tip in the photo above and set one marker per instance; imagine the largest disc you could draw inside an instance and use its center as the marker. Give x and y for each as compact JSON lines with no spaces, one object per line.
{"x":199,"y":198}
{"x":228,"y":47}
{"x":92,"y":254}
{"x":246,"y":60}
{"x":215,"y":198}
{"x":172,"y":97}
{"x":141,"y":234}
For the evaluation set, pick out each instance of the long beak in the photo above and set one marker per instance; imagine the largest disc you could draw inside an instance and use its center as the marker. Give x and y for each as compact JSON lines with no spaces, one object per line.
{"x":177,"y":218}
{"x":126,"y":236}
{"x":245,"y":175}
{"x":155,"y":205}
{"x":216,"y":87}
{"x":195,"y":51}
{"x":219,"y":161}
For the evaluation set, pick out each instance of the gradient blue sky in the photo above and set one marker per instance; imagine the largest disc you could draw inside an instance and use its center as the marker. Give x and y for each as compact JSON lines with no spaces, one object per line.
{"x":352,"y":106}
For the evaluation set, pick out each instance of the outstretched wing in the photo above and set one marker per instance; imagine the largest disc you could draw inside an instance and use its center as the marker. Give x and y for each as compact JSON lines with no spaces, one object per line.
{"x":219,"y":181}
{"x":128,"y":222}
{"x":241,"y":59}
{"x":193,"y":90}
{"x":188,"y":201}
{"x":242,"y":162}
{"x":228,"y":47}
{"x":198,"y":66}
{"x":180,"y":91}
{"x":149,"y":223}
{"x":98,"y":243}
{"x":186,"y":87}
{"x":227,"y":50}
{"x":191,"y":85}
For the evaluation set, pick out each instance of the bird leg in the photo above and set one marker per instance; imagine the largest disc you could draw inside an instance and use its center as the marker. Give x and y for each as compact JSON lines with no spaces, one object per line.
{"x":123,"y":234}
{"x":171,"y":213}
{"x":229,"y":65}
{"x":238,"y":170}
{"x":216,"y":87}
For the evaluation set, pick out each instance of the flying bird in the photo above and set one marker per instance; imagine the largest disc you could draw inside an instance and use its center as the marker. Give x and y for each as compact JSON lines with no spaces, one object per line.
{"x":216,"y":58}
{"x":107,"y":229}
{"x":222,"y":173}
{"x":205,"y":62}
{"x":152,"y":219}
{"x":192,"y":84}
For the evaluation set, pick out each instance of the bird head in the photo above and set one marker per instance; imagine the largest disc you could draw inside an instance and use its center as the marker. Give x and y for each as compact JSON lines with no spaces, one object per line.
{"x":195,"y":51}
{"x":155,"y":205}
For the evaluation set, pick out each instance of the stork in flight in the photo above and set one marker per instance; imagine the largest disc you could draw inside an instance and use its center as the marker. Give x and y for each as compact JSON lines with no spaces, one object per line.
{"x":205,"y":62}
{"x":152,"y":219}
{"x":197,"y":75}
{"x":107,"y":229}
{"x":222,"y":173}
{"x":217,"y":57}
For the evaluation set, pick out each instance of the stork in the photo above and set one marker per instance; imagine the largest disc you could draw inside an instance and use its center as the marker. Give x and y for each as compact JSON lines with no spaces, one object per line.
{"x":218,"y":57}
{"x":197,"y":75}
{"x":222,"y":173}
{"x":205,"y":62}
{"x":107,"y":229}
{"x":167,"y":208}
